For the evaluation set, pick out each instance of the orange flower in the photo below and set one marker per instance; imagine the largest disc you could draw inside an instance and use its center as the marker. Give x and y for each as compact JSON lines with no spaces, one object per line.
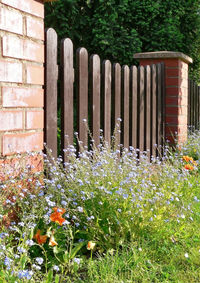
{"x":187,"y":158}
{"x":59,"y":210}
{"x":52,"y":242}
{"x":90,"y":245}
{"x":188,"y":167}
{"x":41,"y":239}
{"x":57,"y":215}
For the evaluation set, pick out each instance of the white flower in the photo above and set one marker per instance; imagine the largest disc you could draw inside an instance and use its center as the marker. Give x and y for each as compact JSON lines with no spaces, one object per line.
{"x":186,"y":255}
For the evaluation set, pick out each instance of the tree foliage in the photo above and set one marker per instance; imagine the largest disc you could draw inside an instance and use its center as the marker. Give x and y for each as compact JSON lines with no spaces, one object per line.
{"x":116,"y":29}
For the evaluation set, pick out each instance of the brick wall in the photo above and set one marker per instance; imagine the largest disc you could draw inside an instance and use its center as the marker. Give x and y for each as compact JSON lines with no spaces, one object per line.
{"x":21,"y":77}
{"x":176,"y":84}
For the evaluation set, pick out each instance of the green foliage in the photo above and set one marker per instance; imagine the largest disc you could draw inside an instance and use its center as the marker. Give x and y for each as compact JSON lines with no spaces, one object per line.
{"x":116,"y":29}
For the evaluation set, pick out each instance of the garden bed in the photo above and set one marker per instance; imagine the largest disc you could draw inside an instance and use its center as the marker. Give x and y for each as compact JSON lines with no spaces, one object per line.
{"x":105,"y":219}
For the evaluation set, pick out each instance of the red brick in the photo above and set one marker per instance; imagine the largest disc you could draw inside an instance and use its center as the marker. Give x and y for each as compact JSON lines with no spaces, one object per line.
{"x":29,"y":6}
{"x":183,"y":83}
{"x":33,"y":51}
{"x":10,"y":72}
{"x":180,"y":139}
{"x":11,"y":20}
{"x":172,"y":90}
{"x":172,"y":72}
{"x":174,"y":110}
{"x":18,"y":143}
{"x":183,"y":65}
{"x":10,"y":167}
{"x":183,"y":110}
{"x":35,"y":162}
{"x":176,"y":72}
{"x":168,"y":62}
{"x":180,"y":129}
{"x":183,"y":73}
{"x":183,"y":91}
{"x":172,"y":81}
{"x":145,"y":62}
{"x":171,"y":119}
{"x":35,"y":28}
{"x":35,"y":75}
{"x":11,"y":120}
{"x":172,"y":100}
{"x":22,"y":97}
{"x":14,"y":166}
{"x":35,"y":119}
{"x":176,"y":100}
{"x":171,"y":62}
{"x":15,"y":47}
{"x":175,"y":91}
{"x":176,"y":120}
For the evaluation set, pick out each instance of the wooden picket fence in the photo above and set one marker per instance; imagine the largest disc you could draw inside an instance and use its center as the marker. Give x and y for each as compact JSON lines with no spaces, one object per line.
{"x":102,"y":92}
{"x":193,"y":105}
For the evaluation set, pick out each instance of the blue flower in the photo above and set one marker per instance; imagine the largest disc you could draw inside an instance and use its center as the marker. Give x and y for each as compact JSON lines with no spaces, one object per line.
{"x":80,"y":209}
{"x":21,"y":250}
{"x":7,"y":262}
{"x":25,"y":274}
{"x":39,"y":260}
{"x":56,"y":268}
{"x":77,"y":260}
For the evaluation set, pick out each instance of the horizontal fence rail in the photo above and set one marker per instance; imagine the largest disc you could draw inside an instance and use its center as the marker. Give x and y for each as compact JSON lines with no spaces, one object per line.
{"x":100,"y":94}
{"x":193,"y":105}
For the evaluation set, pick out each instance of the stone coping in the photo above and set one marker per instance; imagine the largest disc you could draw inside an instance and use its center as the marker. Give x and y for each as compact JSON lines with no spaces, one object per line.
{"x":163,"y":54}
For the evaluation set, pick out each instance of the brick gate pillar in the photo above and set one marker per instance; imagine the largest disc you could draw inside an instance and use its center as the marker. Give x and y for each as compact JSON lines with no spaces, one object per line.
{"x":21,"y":78}
{"x":176,"y":83}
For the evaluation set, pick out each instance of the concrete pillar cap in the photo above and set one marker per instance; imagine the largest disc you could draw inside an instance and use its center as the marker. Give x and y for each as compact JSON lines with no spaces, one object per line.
{"x":163,"y":55}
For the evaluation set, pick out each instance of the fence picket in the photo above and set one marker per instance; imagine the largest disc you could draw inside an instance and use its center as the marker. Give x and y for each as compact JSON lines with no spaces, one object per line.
{"x":95,"y":95}
{"x":199,"y":107}
{"x":141,"y":108}
{"x":159,"y":107}
{"x":67,"y":96}
{"x":51,"y":77}
{"x":193,"y":105}
{"x":148,"y":109}
{"x":154,"y":110}
{"x":197,"y":90}
{"x":163,"y":107}
{"x":117,"y":100}
{"x":134,"y":108}
{"x":82,"y":89}
{"x":189,"y":101}
{"x":107,"y":100}
{"x":196,"y":106}
{"x":125,"y":116}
